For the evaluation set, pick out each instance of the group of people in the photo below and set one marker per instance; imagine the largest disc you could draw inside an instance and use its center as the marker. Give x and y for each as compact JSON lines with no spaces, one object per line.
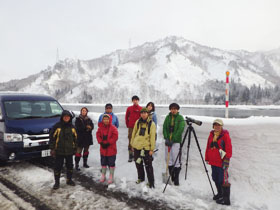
{"x":67,"y":139}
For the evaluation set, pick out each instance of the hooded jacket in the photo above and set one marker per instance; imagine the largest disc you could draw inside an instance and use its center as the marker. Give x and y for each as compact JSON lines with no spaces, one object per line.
{"x":63,"y":136}
{"x":212,"y":155}
{"x":146,"y":141}
{"x":115,"y":120}
{"x":112,"y":136}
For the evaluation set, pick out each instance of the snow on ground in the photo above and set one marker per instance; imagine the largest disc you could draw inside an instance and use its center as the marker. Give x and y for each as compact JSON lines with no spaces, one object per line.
{"x":38,"y":182}
{"x":254,"y":171}
{"x":11,"y":201}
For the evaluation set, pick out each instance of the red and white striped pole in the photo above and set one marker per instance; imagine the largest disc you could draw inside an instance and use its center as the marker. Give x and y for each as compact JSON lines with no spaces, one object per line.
{"x":227,"y":93}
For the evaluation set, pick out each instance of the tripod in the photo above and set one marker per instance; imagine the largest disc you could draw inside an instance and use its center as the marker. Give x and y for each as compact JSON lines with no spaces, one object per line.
{"x":188,"y":133}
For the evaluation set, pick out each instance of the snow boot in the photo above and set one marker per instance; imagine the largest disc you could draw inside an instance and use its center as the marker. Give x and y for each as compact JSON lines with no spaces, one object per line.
{"x":151,"y":185}
{"x":77,"y":160}
{"x":69,"y":180}
{"x":111,"y":176}
{"x":56,"y":179}
{"x":172,"y":174}
{"x":226,"y":195}
{"x":130,"y":156}
{"x":219,"y":195}
{"x":139,"y":181}
{"x":85,"y":158}
{"x":103,"y":174}
{"x":176,"y":175}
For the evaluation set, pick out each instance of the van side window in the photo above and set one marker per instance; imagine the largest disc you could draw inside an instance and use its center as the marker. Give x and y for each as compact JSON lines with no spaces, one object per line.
{"x":55,"y":108}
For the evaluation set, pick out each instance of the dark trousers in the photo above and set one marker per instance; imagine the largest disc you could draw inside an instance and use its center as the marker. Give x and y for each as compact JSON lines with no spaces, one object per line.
{"x":108,"y":160}
{"x":148,"y":160}
{"x":58,"y":164}
{"x":217,"y":174}
{"x":130,"y":130}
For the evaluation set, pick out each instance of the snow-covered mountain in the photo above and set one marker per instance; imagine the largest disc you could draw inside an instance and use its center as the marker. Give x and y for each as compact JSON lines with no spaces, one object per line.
{"x":162,"y":71}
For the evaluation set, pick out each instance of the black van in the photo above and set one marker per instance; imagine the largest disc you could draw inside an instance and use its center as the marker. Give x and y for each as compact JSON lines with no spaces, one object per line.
{"x":25,"y":123}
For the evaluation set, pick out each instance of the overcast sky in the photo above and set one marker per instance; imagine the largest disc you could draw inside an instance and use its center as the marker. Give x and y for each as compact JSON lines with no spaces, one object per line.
{"x":31,"y":31}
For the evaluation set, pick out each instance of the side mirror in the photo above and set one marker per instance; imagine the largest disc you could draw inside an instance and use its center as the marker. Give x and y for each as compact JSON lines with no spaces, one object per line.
{"x":1,"y":118}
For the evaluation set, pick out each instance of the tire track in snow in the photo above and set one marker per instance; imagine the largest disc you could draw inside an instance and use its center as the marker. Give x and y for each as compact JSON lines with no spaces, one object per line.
{"x":21,"y":198}
{"x":101,"y":189}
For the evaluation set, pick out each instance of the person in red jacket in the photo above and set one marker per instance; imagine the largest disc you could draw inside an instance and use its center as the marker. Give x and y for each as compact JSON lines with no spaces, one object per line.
{"x":131,"y":116}
{"x":218,"y":154}
{"x":107,"y":136}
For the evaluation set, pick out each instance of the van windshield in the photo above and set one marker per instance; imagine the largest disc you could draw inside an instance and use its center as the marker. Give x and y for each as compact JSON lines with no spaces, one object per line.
{"x":32,"y":109}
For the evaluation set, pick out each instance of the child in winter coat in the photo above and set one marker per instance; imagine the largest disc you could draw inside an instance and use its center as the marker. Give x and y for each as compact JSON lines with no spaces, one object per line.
{"x":143,"y":144}
{"x":63,"y":137}
{"x":173,"y":128}
{"x":107,"y":136}
{"x":84,"y":126}
{"x":218,"y":154}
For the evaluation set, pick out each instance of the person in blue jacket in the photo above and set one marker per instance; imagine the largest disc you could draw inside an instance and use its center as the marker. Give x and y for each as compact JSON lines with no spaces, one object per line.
{"x":152,"y":114}
{"x":108,"y":110}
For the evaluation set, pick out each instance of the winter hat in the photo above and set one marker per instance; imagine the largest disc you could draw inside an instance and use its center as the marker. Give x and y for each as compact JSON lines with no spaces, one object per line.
{"x":174,"y":105}
{"x":218,"y":121}
{"x":144,"y":110}
{"x":105,"y":115}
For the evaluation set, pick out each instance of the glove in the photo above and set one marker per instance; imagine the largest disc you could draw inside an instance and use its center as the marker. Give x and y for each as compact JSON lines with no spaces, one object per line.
{"x":104,"y":145}
{"x":168,"y":143}
{"x":225,"y":163}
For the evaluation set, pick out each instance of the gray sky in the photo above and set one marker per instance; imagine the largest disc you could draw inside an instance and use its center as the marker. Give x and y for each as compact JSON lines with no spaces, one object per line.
{"x":32,"y":30}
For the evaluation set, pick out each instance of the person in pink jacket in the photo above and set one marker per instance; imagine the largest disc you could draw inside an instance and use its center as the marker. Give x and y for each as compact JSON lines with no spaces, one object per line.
{"x":107,"y":136}
{"x":131,"y":116}
{"x":218,"y":154}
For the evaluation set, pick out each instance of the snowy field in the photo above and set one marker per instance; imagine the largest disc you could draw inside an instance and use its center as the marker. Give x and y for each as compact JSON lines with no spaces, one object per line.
{"x":254,"y":171}
{"x":254,"y":168}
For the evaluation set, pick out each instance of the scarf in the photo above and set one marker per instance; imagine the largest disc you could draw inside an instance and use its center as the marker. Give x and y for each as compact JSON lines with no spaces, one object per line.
{"x":214,"y":143}
{"x":85,"y":118}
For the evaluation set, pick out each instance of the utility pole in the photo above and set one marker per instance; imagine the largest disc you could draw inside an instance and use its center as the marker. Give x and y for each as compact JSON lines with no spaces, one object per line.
{"x":227,"y":93}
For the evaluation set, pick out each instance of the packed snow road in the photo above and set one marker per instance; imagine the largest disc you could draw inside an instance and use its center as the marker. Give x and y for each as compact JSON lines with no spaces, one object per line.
{"x":38,"y":183}
{"x":26,"y":185}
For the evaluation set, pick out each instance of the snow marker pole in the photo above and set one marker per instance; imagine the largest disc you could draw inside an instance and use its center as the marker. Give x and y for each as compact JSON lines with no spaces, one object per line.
{"x":227,"y":93}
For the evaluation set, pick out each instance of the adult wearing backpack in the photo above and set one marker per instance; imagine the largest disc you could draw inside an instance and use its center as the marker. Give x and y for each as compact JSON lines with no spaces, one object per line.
{"x":132,"y":114}
{"x":143,"y":144}
{"x":63,"y":138}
